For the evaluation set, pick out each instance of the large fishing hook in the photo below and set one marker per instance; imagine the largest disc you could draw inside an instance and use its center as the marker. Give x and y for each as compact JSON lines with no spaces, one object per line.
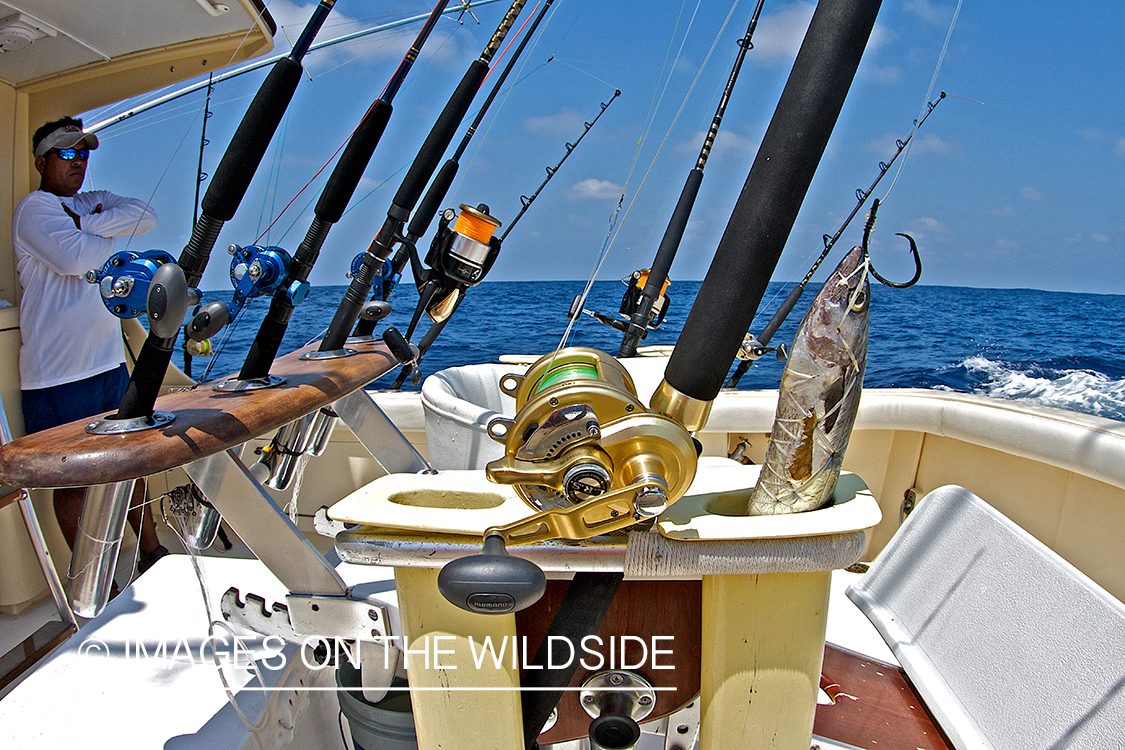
{"x":867,"y":229}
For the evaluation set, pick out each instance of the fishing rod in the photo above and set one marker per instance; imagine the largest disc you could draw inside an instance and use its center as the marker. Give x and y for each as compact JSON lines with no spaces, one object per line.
{"x":423,"y":167}
{"x":437,"y":191}
{"x":525,"y":201}
{"x":464,"y":6}
{"x":266,"y":270}
{"x":644,"y":313}
{"x":753,"y":347}
{"x":766,"y":209}
{"x":410,"y":369}
{"x":167,"y":288}
{"x":555,"y":446}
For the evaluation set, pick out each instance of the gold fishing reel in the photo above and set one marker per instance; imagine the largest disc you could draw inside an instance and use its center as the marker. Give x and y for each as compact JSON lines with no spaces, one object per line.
{"x":584,"y":451}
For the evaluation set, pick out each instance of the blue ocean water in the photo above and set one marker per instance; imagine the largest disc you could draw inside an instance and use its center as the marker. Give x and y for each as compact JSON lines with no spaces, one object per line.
{"x":1054,"y":348}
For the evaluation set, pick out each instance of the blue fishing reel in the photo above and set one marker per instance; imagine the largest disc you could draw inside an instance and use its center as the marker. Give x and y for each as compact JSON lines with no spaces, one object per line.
{"x":255,"y":271}
{"x":387,"y":273}
{"x":125,"y":278}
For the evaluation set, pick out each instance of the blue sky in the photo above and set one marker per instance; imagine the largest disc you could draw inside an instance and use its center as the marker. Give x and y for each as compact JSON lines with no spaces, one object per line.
{"x":1013,"y":182}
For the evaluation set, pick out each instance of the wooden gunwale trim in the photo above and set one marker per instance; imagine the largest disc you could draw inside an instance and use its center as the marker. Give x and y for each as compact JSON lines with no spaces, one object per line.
{"x":206,"y":423}
{"x":31,"y":654}
{"x":874,"y":705}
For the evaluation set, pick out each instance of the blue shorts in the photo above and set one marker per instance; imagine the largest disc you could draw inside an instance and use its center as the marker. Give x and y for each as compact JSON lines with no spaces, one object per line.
{"x":44,"y":408}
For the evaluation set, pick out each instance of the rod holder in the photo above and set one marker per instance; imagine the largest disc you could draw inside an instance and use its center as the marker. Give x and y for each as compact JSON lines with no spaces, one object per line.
{"x":96,"y":545}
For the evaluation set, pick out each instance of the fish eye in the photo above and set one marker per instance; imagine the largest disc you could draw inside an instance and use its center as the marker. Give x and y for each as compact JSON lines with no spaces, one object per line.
{"x":859,"y":301}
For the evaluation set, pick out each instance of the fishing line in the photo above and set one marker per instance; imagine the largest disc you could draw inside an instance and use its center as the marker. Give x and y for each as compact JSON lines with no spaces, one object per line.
{"x":610,"y":233}
{"x":228,"y":331}
{"x":581,"y":304}
{"x":375,"y":189}
{"x":668,"y":133}
{"x":194,"y":555}
{"x":584,"y":72}
{"x":448,"y":37}
{"x":926,"y":101}
{"x":274,"y":176}
{"x":659,"y":150}
{"x":520,"y":77}
{"x":571,"y":27}
{"x":511,"y":40}
{"x":160,"y":180}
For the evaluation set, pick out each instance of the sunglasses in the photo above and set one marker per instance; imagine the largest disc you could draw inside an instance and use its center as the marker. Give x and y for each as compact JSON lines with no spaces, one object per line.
{"x":69,"y":154}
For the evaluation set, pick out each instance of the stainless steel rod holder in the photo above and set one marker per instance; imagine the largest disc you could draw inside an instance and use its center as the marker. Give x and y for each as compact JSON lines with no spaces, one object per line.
{"x":96,"y":545}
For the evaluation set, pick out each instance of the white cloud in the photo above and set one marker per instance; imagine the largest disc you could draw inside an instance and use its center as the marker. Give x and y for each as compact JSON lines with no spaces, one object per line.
{"x":921,"y":144}
{"x":596,"y":189}
{"x":939,"y":15}
{"x":931,"y":144}
{"x":391,"y":44}
{"x":1005,"y":246}
{"x":564,"y":123}
{"x":1091,"y":134}
{"x":1031,"y":194}
{"x":1099,"y":237}
{"x":882,"y":74}
{"x":1120,"y":147}
{"x":931,"y":224}
{"x":780,"y":34}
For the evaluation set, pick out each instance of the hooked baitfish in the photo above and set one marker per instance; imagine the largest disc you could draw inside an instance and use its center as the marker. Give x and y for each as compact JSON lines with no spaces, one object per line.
{"x":819,"y":395}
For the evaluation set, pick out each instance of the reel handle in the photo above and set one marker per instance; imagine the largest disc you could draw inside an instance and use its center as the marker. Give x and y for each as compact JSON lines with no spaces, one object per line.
{"x":492,"y":582}
{"x":405,"y":352}
{"x":168,"y":299}
{"x":208,"y":321}
{"x":375,"y":310}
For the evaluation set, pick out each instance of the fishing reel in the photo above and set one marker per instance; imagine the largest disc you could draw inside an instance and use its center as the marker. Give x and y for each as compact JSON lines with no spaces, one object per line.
{"x":125,"y":279}
{"x":255,"y":271}
{"x":751,"y":349}
{"x":387,"y":279}
{"x":630,"y":303}
{"x":631,"y":300}
{"x":461,"y":254}
{"x":586,"y":455}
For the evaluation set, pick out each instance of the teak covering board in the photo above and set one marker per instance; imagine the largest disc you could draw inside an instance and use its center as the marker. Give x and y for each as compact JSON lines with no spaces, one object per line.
{"x":206,"y":423}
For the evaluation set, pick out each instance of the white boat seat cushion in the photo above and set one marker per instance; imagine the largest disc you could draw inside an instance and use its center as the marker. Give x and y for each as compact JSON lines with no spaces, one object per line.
{"x":1008,"y":644}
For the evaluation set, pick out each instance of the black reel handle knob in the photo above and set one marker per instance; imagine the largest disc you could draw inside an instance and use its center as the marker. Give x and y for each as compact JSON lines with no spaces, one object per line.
{"x":375,"y":310}
{"x":167,"y":300}
{"x":614,"y":732}
{"x":401,"y":349}
{"x":492,"y":582}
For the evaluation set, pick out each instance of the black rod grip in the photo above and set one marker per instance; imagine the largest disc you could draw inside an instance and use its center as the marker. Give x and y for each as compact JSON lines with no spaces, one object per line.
{"x":148,"y":374}
{"x":431,"y":202}
{"x":440,"y":135}
{"x":767,"y":207}
{"x":781,"y":314}
{"x":407,"y":196}
{"x":583,"y":608}
{"x":662,"y":263}
{"x":267,"y":342}
{"x":250,"y":140}
{"x":349,"y":169}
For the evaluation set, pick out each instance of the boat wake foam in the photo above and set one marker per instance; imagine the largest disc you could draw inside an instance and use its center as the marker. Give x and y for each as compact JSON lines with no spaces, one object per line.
{"x":1080,"y":390}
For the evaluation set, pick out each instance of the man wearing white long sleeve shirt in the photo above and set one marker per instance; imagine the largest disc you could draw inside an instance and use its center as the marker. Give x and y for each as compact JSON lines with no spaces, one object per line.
{"x":72,"y":361}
